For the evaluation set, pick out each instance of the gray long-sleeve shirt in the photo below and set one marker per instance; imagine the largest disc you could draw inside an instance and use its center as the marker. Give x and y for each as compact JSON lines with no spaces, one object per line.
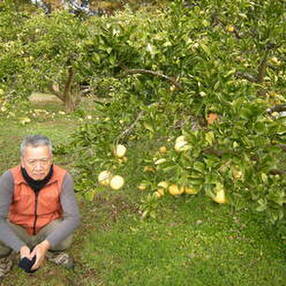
{"x":64,"y":229}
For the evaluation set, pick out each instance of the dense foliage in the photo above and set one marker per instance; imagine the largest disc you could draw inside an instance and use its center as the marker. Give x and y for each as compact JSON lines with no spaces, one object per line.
{"x":213,"y":71}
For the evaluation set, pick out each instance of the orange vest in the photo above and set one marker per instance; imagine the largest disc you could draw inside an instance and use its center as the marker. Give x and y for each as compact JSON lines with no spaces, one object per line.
{"x":33,"y":211}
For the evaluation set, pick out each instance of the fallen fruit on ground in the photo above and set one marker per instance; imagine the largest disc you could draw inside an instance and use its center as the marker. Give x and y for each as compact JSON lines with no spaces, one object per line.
{"x":104,"y":177}
{"x":116,"y":182}
{"x":25,"y":120}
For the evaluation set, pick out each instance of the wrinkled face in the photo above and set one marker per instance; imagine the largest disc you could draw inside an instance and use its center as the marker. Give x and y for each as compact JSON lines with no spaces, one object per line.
{"x":37,"y":161}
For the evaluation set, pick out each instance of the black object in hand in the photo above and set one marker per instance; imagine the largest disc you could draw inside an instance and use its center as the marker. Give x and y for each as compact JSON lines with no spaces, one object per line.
{"x":26,"y":264}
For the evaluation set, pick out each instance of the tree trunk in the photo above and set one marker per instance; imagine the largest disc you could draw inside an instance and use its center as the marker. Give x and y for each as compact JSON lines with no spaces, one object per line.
{"x":69,"y":98}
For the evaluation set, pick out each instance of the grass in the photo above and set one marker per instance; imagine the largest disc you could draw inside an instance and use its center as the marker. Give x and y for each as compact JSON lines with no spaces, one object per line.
{"x":190,"y":241}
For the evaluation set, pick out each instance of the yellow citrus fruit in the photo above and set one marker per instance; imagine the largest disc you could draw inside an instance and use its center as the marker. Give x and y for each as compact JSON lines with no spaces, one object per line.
{"x":119,"y":150}
{"x":160,"y":161}
{"x":163,"y":149}
{"x":220,"y":197}
{"x":182,"y":146}
{"x":142,"y":187}
{"x":190,"y":191}
{"x":181,"y":138}
{"x":175,"y":190}
{"x":104,"y":177}
{"x":275,"y":61}
{"x":122,"y":160}
{"x":116,"y":182}
{"x":236,"y":173}
{"x":230,"y":28}
{"x":149,"y":169}
{"x":163,"y":185}
{"x":159,"y":193}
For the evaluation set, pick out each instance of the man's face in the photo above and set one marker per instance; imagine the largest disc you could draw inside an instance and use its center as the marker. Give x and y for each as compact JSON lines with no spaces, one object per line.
{"x":37,"y":161}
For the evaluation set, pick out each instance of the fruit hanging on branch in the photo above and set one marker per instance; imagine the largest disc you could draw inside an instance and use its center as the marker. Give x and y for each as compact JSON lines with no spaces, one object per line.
{"x":163,"y":149}
{"x":159,"y":193}
{"x":182,"y":146}
{"x":175,"y":190}
{"x":190,"y":190}
{"x":163,"y":185}
{"x":116,"y":182}
{"x":142,"y":187}
{"x":104,"y":178}
{"x":119,"y":151}
{"x":220,"y":197}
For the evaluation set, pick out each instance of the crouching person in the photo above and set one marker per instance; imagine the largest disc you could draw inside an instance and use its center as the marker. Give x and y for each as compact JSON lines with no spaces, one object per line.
{"x":38,"y":209}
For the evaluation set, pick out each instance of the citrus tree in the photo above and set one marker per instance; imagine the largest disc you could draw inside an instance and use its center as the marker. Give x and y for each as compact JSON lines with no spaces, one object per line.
{"x":195,"y":91}
{"x":213,"y":73}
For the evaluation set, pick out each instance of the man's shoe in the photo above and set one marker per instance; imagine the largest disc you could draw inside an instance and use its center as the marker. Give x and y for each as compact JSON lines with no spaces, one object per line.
{"x":5,"y":266}
{"x":61,"y":258}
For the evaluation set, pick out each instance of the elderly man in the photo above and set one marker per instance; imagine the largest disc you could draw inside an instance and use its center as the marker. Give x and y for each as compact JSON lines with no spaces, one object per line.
{"x":38,"y":209}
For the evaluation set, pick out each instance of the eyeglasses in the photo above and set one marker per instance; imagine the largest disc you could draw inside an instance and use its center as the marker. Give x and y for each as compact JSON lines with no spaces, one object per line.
{"x":43,"y":162}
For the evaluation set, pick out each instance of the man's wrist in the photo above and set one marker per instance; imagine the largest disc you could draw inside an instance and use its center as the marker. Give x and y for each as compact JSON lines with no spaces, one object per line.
{"x":46,"y":244}
{"x":23,"y":247}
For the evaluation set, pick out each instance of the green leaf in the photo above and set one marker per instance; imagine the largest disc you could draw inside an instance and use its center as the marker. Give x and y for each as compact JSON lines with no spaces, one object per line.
{"x":210,"y":137}
{"x":262,"y":205}
{"x":205,"y":49}
{"x":199,"y":166}
{"x":148,"y":126}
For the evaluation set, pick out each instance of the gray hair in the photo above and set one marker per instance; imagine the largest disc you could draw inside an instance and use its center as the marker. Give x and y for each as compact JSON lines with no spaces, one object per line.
{"x":35,"y":141}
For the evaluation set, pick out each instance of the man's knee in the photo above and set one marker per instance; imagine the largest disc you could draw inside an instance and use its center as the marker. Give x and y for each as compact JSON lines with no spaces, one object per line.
{"x":66,"y":243}
{"x":4,"y":250}
{"x":49,"y":228}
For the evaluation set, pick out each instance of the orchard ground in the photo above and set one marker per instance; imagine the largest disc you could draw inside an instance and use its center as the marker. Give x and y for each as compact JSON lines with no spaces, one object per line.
{"x":189,"y":241}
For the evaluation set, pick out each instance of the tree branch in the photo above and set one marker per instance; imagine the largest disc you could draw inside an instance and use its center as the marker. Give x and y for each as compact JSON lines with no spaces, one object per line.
{"x":282,"y":146}
{"x":262,"y":68}
{"x":237,"y":35}
{"x":277,"y":172}
{"x":277,"y":108}
{"x":128,"y":130}
{"x":212,"y":151}
{"x":217,"y":21}
{"x":68,"y":83}
{"x":54,"y":89}
{"x":246,"y":75}
{"x":173,"y":80}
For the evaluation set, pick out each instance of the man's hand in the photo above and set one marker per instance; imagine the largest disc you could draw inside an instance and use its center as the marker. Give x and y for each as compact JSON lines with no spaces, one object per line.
{"x":40,"y":251}
{"x":25,"y":252}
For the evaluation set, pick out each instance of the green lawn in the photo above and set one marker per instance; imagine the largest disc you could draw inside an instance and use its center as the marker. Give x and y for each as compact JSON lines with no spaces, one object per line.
{"x":191,"y":240}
